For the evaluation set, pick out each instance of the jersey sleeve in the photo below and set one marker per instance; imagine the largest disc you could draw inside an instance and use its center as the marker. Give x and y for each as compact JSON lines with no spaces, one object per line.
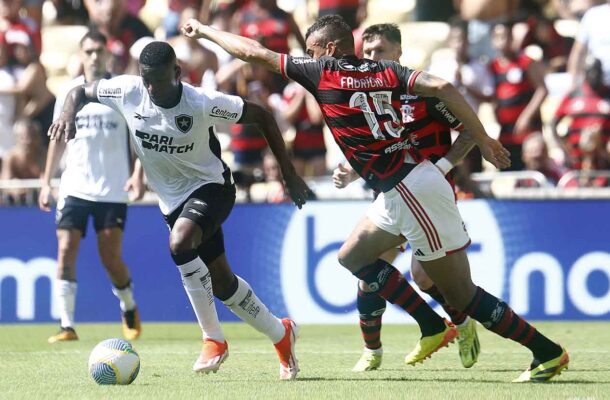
{"x":562,"y":110}
{"x":441,"y":113}
{"x":223,"y":108}
{"x":303,"y":70}
{"x":406,"y":76}
{"x":112,"y":92}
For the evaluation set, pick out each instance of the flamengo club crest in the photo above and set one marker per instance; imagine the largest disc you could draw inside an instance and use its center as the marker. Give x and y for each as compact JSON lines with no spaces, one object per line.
{"x":184,"y":122}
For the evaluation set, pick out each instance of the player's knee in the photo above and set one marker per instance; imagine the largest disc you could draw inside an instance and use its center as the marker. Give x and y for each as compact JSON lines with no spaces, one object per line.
{"x":346,"y":257}
{"x":179,"y":244}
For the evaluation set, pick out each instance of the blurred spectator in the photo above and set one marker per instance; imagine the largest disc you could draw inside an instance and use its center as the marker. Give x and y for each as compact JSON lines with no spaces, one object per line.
{"x":265,"y":22}
{"x":353,"y":11}
{"x":593,"y":38}
{"x":35,"y":99}
{"x":469,"y":75}
{"x":595,"y":158}
{"x":555,"y":48}
{"x":481,"y":16}
{"x":33,"y":9}
{"x":70,"y":12}
{"x":7,"y":102}
{"x":171,"y":22}
{"x":573,"y":9}
{"x":519,"y":93}
{"x":195,"y":60}
{"x":122,"y":29}
{"x":11,"y":23}
{"x":585,"y":106}
{"x":25,"y":160}
{"x":308,"y":147}
{"x":536,"y":158}
{"x":434,"y":10}
{"x":275,"y":192}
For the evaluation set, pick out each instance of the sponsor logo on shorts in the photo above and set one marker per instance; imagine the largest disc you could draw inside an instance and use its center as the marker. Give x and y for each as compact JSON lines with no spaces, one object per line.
{"x":193,"y":211}
{"x":420,"y":253}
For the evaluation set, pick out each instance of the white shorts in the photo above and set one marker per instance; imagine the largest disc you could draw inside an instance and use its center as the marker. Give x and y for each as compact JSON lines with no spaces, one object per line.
{"x":422,"y":208}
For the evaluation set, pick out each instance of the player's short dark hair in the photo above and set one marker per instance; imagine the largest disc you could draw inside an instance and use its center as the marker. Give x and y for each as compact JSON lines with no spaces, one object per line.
{"x":157,"y":54}
{"x":332,"y":28}
{"x":388,"y":31}
{"x":94,"y":35}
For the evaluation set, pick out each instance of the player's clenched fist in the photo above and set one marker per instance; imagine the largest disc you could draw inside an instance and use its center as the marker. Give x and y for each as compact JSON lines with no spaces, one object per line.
{"x":297,"y":189}
{"x":192,"y":29}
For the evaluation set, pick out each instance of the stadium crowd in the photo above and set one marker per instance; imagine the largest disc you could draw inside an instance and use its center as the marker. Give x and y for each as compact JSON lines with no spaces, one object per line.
{"x":536,"y":71}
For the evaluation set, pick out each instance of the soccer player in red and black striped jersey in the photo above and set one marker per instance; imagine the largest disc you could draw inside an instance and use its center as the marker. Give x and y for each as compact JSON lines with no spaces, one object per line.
{"x":360,"y":100}
{"x":431,"y":134}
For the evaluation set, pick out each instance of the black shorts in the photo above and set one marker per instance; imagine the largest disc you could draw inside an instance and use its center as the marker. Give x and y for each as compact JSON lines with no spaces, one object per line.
{"x":74,"y":214}
{"x":209,"y":206}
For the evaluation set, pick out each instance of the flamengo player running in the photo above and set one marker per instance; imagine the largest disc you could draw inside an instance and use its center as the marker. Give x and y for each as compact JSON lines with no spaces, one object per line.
{"x":97,"y":170}
{"x":172,"y":125}
{"x":360,"y":100}
{"x":429,"y":123}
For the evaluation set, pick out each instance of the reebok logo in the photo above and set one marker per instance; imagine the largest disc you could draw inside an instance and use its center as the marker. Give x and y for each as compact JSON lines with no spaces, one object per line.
{"x":189,"y":274}
{"x":249,"y":306}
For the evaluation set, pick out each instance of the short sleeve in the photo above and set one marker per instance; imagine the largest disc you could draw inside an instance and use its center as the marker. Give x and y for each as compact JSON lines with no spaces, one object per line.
{"x":406,"y":76}
{"x":303,"y":70}
{"x":112,"y":92}
{"x":223,"y":108}
{"x":441,"y":113}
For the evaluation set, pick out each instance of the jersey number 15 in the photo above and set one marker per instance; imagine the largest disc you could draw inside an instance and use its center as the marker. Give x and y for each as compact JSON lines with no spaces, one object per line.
{"x":382,"y":101}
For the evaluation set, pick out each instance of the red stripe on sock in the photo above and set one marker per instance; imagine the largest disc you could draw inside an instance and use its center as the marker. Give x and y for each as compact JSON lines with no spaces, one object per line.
{"x":414,"y":305}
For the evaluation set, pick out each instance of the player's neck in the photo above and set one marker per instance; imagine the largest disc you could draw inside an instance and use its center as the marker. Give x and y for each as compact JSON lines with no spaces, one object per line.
{"x":175,"y":98}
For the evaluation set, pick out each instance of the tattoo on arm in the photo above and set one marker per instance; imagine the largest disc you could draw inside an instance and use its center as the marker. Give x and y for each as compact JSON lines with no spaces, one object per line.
{"x":427,"y":85}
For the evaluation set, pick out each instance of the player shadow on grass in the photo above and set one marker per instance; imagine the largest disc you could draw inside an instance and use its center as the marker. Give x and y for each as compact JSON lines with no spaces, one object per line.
{"x":447,"y":380}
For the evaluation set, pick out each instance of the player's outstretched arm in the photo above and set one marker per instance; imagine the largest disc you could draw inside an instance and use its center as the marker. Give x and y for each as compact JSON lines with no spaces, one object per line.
{"x":431,"y":86}
{"x":238,"y":46}
{"x":257,"y":115}
{"x":75,"y":100}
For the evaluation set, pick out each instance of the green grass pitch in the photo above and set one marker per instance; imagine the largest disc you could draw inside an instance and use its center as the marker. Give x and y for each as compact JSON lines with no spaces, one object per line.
{"x":32,"y":369}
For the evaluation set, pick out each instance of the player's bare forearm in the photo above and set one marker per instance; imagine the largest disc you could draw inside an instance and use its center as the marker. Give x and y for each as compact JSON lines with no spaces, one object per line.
{"x":238,"y":46}
{"x":263,"y":119}
{"x":431,"y":86}
{"x":75,"y":100}
{"x":460,"y":148}
{"x":56,"y":149}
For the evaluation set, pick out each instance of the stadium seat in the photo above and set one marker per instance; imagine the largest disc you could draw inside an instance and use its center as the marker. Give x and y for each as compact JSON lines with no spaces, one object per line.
{"x":389,"y":11}
{"x":59,"y":44}
{"x":419,"y":40}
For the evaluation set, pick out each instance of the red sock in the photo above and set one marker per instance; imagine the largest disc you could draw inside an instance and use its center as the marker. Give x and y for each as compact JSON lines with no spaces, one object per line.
{"x":370,"y":308}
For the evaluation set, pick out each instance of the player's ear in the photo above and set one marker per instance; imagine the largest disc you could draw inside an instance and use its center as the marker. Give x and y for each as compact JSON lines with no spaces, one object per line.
{"x":177,"y":72}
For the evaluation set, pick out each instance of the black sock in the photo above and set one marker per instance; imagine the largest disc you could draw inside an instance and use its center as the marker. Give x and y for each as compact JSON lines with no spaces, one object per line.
{"x":498,"y":317}
{"x":385,"y":280}
{"x":457,"y":317}
{"x":370,"y":308}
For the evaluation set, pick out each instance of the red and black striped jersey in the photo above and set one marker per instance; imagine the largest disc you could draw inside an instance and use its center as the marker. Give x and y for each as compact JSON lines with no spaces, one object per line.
{"x":429,"y":122}
{"x":513,"y":92}
{"x":586,"y":108}
{"x":271,"y":28}
{"x":360,"y":101}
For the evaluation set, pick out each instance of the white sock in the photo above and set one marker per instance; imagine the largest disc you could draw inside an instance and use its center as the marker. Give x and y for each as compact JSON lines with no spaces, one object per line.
{"x":125,"y":296}
{"x":246,"y":305}
{"x":66,"y":297}
{"x":463,"y":324}
{"x":198,"y":285}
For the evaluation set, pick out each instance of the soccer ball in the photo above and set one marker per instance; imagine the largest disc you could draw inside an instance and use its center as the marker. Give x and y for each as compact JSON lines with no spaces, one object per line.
{"x":114,"y":362}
